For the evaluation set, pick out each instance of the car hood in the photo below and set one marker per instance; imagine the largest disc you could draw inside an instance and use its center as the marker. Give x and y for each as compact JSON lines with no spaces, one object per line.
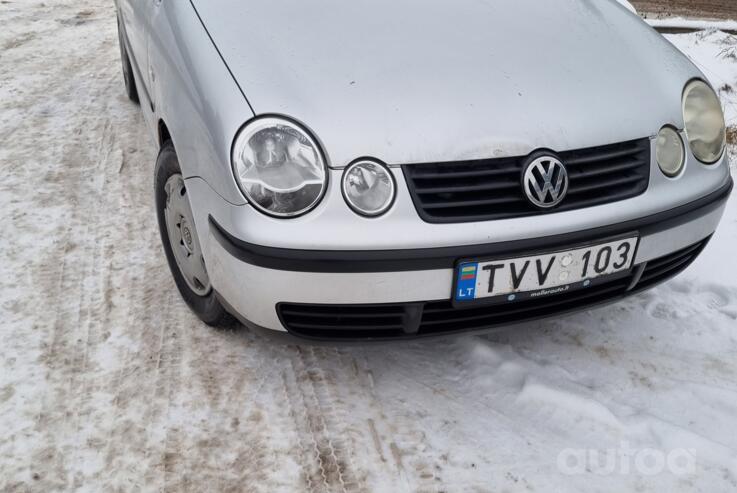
{"x":410,"y":81}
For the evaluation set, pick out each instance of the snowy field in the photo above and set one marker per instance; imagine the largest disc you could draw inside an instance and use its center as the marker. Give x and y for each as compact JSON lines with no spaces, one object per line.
{"x":108,"y":383}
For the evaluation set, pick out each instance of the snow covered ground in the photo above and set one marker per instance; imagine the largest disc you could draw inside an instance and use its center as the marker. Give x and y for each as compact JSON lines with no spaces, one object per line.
{"x":108,"y":383}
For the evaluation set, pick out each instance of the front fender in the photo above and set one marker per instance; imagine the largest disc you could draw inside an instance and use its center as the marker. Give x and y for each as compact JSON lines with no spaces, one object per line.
{"x":196,"y":96}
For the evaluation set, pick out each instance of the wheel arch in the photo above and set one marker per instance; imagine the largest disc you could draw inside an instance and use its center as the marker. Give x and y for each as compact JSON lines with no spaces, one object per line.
{"x":163,"y":133}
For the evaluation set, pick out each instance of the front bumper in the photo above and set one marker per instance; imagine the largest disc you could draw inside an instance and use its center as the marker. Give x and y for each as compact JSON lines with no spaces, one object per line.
{"x":256,"y":281}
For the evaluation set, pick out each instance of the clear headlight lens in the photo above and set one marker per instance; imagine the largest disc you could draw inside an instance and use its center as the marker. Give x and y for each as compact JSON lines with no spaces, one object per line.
{"x":279,"y":167}
{"x":368,"y":188}
{"x":670,"y":151}
{"x":704,"y":122}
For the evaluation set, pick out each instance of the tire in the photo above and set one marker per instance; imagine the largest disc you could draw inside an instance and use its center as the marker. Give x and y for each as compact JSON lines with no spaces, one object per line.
{"x":204,"y":304}
{"x":130,"y":82}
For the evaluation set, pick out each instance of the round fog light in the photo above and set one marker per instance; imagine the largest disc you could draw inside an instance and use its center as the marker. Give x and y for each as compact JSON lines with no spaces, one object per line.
{"x":368,"y":188}
{"x":670,"y":152}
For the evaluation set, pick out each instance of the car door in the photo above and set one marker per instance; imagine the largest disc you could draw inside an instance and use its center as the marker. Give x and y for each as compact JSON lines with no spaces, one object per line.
{"x":136,"y":17}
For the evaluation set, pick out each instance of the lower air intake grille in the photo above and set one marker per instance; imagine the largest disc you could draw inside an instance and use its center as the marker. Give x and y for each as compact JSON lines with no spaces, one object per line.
{"x":662,"y":269}
{"x":389,"y":321}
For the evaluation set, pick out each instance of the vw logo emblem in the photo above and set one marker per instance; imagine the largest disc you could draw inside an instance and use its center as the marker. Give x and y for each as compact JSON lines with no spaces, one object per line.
{"x":545,"y":182}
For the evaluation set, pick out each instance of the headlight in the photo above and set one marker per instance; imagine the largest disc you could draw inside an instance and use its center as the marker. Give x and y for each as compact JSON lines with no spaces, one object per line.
{"x":368,"y":188}
{"x":670,"y":151}
{"x":704,"y":122}
{"x":279,"y":167}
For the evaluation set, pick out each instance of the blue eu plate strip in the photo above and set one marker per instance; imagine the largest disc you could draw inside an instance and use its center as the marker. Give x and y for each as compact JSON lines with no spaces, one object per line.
{"x":466,"y":287}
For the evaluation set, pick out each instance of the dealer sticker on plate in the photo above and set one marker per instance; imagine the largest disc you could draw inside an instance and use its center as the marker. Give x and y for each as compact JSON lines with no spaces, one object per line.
{"x":542,"y":275}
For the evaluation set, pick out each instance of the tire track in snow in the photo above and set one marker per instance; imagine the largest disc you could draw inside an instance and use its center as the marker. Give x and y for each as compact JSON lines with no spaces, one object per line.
{"x":415,"y":462}
{"x":175,"y":474}
{"x":246,"y":420}
{"x":327,"y":382}
{"x":94,"y":300}
{"x":129,"y":318}
{"x":325,"y":451}
{"x":73,"y":333}
{"x":307,"y":455}
{"x":160,"y":364}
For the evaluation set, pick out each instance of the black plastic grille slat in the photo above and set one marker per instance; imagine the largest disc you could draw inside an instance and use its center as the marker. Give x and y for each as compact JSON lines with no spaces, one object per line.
{"x":346,"y":327}
{"x":611,"y":169}
{"x":388,"y":321}
{"x":372,"y":321}
{"x":524,"y":310}
{"x":470,"y":171}
{"x":591,"y":201}
{"x":332,"y":313}
{"x":479,"y":202}
{"x":654,"y":274}
{"x":660,"y":269}
{"x":600,"y":154}
{"x":490,"y":189}
{"x":473,"y":186}
{"x":656,"y":264}
{"x":603,"y":185}
{"x":455,"y":316}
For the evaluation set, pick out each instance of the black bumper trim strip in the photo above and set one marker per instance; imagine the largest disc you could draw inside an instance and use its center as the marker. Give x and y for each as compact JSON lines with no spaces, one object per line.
{"x":362,"y":261}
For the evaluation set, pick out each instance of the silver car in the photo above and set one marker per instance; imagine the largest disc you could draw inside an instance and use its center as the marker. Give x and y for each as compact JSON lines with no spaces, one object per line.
{"x":381,"y":169}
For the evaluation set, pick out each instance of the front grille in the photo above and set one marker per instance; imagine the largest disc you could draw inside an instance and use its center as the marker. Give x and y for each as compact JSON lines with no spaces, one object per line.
{"x":487,"y":189}
{"x":441,"y":317}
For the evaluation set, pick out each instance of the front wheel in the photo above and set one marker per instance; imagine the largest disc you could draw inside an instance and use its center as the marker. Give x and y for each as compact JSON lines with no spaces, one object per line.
{"x":181,"y":242}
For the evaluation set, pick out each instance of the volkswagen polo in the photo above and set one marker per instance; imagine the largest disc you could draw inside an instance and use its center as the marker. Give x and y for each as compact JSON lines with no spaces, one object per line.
{"x":395,"y":168}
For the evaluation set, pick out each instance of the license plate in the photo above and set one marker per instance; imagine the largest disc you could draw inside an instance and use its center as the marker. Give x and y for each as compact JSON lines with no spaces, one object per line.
{"x":535,"y":276}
